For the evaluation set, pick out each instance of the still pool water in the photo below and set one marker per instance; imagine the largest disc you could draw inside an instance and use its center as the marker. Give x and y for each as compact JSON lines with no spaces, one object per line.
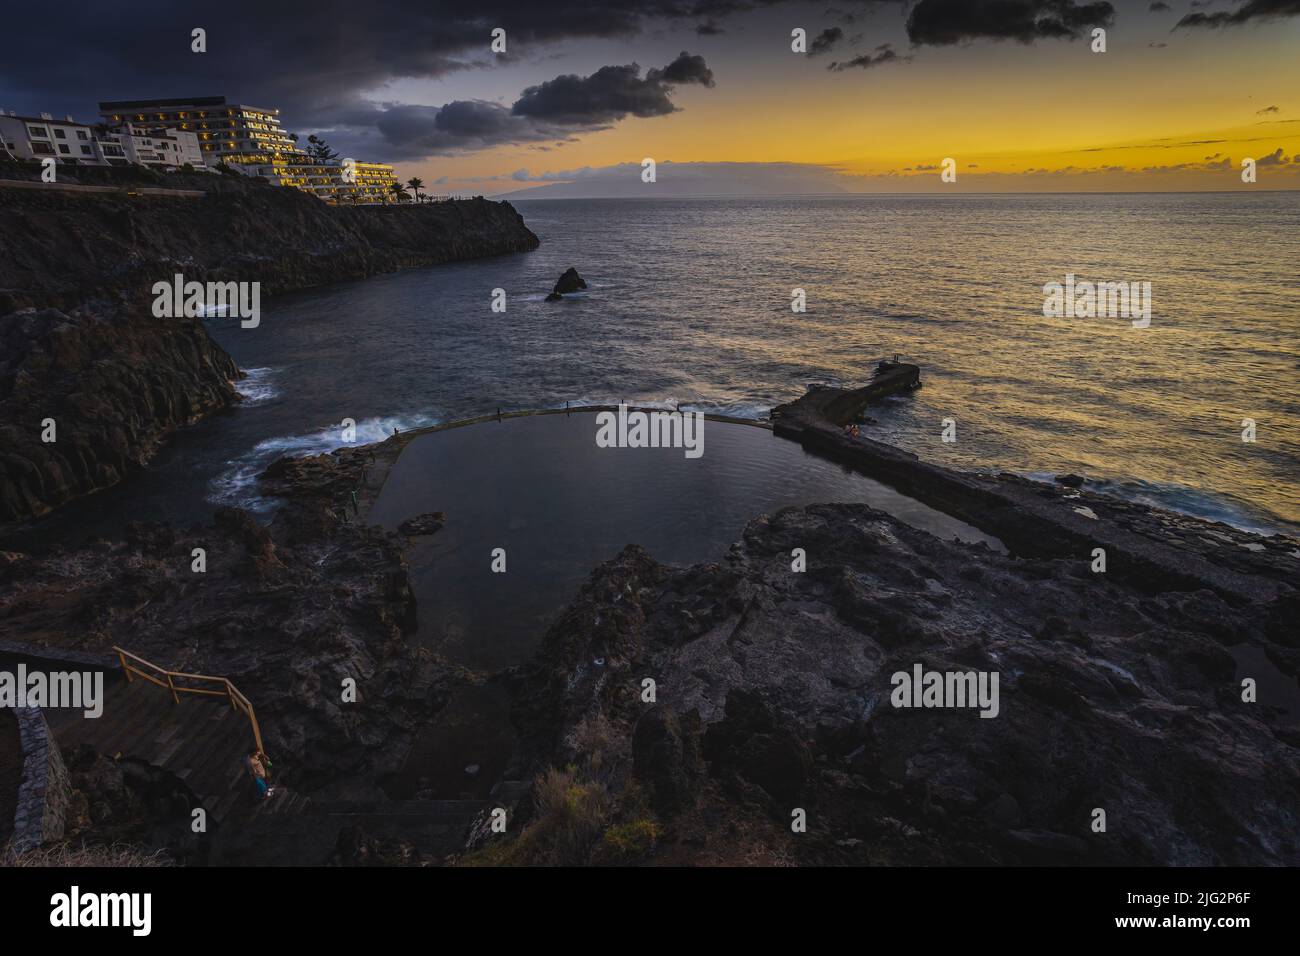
{"x":540,"y":488}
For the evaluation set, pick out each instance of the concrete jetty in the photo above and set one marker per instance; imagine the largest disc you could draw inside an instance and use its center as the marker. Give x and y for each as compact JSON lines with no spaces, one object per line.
{"x":1032,"y":519}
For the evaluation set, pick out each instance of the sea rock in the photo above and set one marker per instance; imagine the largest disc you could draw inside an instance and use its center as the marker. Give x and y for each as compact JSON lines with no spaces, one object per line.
{"x":570,"y":281}
{"x":1070,"y":481}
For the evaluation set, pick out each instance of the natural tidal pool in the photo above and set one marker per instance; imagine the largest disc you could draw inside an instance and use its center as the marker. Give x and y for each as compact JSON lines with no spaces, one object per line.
{"x":540,"y":488}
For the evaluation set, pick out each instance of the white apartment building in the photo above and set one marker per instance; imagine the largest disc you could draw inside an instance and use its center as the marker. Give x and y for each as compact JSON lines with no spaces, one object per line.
{"x":168,"y":148}
{"x":30,"y":137}
{"x":73,"y":143}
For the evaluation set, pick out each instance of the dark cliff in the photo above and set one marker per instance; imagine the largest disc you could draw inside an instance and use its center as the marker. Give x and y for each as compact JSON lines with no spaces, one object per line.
{"x":115,"y":379}
{"x":114,"y":387}
{"x":64,"y":248}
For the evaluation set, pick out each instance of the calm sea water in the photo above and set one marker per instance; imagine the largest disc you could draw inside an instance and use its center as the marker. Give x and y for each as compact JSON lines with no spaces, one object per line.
{"x":689,"y":301}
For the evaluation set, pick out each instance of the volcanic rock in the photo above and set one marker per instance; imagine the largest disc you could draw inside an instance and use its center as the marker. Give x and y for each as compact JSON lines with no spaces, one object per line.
{"x":424,"y":524}
{"x":570,"y":281}
{"x":1129,"y":703}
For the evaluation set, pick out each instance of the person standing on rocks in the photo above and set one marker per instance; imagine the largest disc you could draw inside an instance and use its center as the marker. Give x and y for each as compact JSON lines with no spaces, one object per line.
{"x":256,"y":762}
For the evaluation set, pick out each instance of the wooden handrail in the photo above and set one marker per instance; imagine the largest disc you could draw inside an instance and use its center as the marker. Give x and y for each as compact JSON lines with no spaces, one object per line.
{"x":165,"y":678}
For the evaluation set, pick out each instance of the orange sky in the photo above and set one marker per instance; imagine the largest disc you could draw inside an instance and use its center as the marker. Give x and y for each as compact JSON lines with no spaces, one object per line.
{"x":998,"y":109}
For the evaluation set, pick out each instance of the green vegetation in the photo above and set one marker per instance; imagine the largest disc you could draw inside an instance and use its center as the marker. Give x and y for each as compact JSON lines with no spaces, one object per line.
{"x":628,"y":842}
{"x":592,"y":814}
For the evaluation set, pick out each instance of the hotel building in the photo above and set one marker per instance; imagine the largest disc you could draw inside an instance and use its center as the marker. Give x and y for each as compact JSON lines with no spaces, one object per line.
{"x":334,"y":180}
{"x":227,"y":132}
{"x":251,"y":140}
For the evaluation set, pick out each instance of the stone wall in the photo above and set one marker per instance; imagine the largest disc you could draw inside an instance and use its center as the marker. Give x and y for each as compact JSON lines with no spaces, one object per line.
{"x":45,"y":789}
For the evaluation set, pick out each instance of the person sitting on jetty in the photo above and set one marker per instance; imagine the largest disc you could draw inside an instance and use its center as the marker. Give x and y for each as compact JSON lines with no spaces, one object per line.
{"x":256,"y":763}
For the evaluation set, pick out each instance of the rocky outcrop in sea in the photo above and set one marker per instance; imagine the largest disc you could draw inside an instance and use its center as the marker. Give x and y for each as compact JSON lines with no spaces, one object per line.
{"x":570,"y":281}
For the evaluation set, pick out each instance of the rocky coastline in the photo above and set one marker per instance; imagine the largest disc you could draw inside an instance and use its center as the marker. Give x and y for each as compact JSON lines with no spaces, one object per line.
{"x":1120,"y":691}
{"x":81,"y":348}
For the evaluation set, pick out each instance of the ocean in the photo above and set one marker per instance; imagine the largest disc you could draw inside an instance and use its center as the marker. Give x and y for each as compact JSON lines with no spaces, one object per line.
{"x":690,"y":302}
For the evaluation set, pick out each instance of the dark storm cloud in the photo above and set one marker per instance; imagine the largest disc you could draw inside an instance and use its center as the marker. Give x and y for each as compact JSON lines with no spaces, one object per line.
{"x":884,"y":54}
{"x":685,"y":69}
{"x":824,"y":41}
{"x":941,"y":22}
{"x":410,"y":132}
{"x":611,"y":93}
{"x":1158,"y":6}
{"x":709,"y":28}
{"x":313,"y":59}
{"x":1245,"y":12}
{"x":554,"y":111}
{"x":322,"y":64}
{"x":309,"y":59}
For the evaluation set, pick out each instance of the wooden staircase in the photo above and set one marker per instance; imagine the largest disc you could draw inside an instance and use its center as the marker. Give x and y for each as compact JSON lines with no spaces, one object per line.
{"x":202,"y":742}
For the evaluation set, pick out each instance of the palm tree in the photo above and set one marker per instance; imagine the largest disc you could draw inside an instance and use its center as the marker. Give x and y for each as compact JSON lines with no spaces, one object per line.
{"x":416,"y":184}
{"x":399,"y":191}
{"x":319,"y":150}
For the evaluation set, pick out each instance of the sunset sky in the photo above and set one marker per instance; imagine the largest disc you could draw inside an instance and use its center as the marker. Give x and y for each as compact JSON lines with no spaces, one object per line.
{"x":1011,"y":91}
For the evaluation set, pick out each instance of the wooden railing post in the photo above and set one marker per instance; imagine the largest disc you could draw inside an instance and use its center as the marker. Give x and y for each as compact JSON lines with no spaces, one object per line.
{"x":257,"y":731}
{"x":154,"y":674}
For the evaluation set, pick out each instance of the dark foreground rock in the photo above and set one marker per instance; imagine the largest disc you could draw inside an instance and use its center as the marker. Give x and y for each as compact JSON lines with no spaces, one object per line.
{"x":772,"y":694}
{"x":128,"y":801}
{"x":288,"y":613}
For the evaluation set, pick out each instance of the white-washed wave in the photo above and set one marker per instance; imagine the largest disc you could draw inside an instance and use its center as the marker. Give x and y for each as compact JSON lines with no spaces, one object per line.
{"x":237,"y":484}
